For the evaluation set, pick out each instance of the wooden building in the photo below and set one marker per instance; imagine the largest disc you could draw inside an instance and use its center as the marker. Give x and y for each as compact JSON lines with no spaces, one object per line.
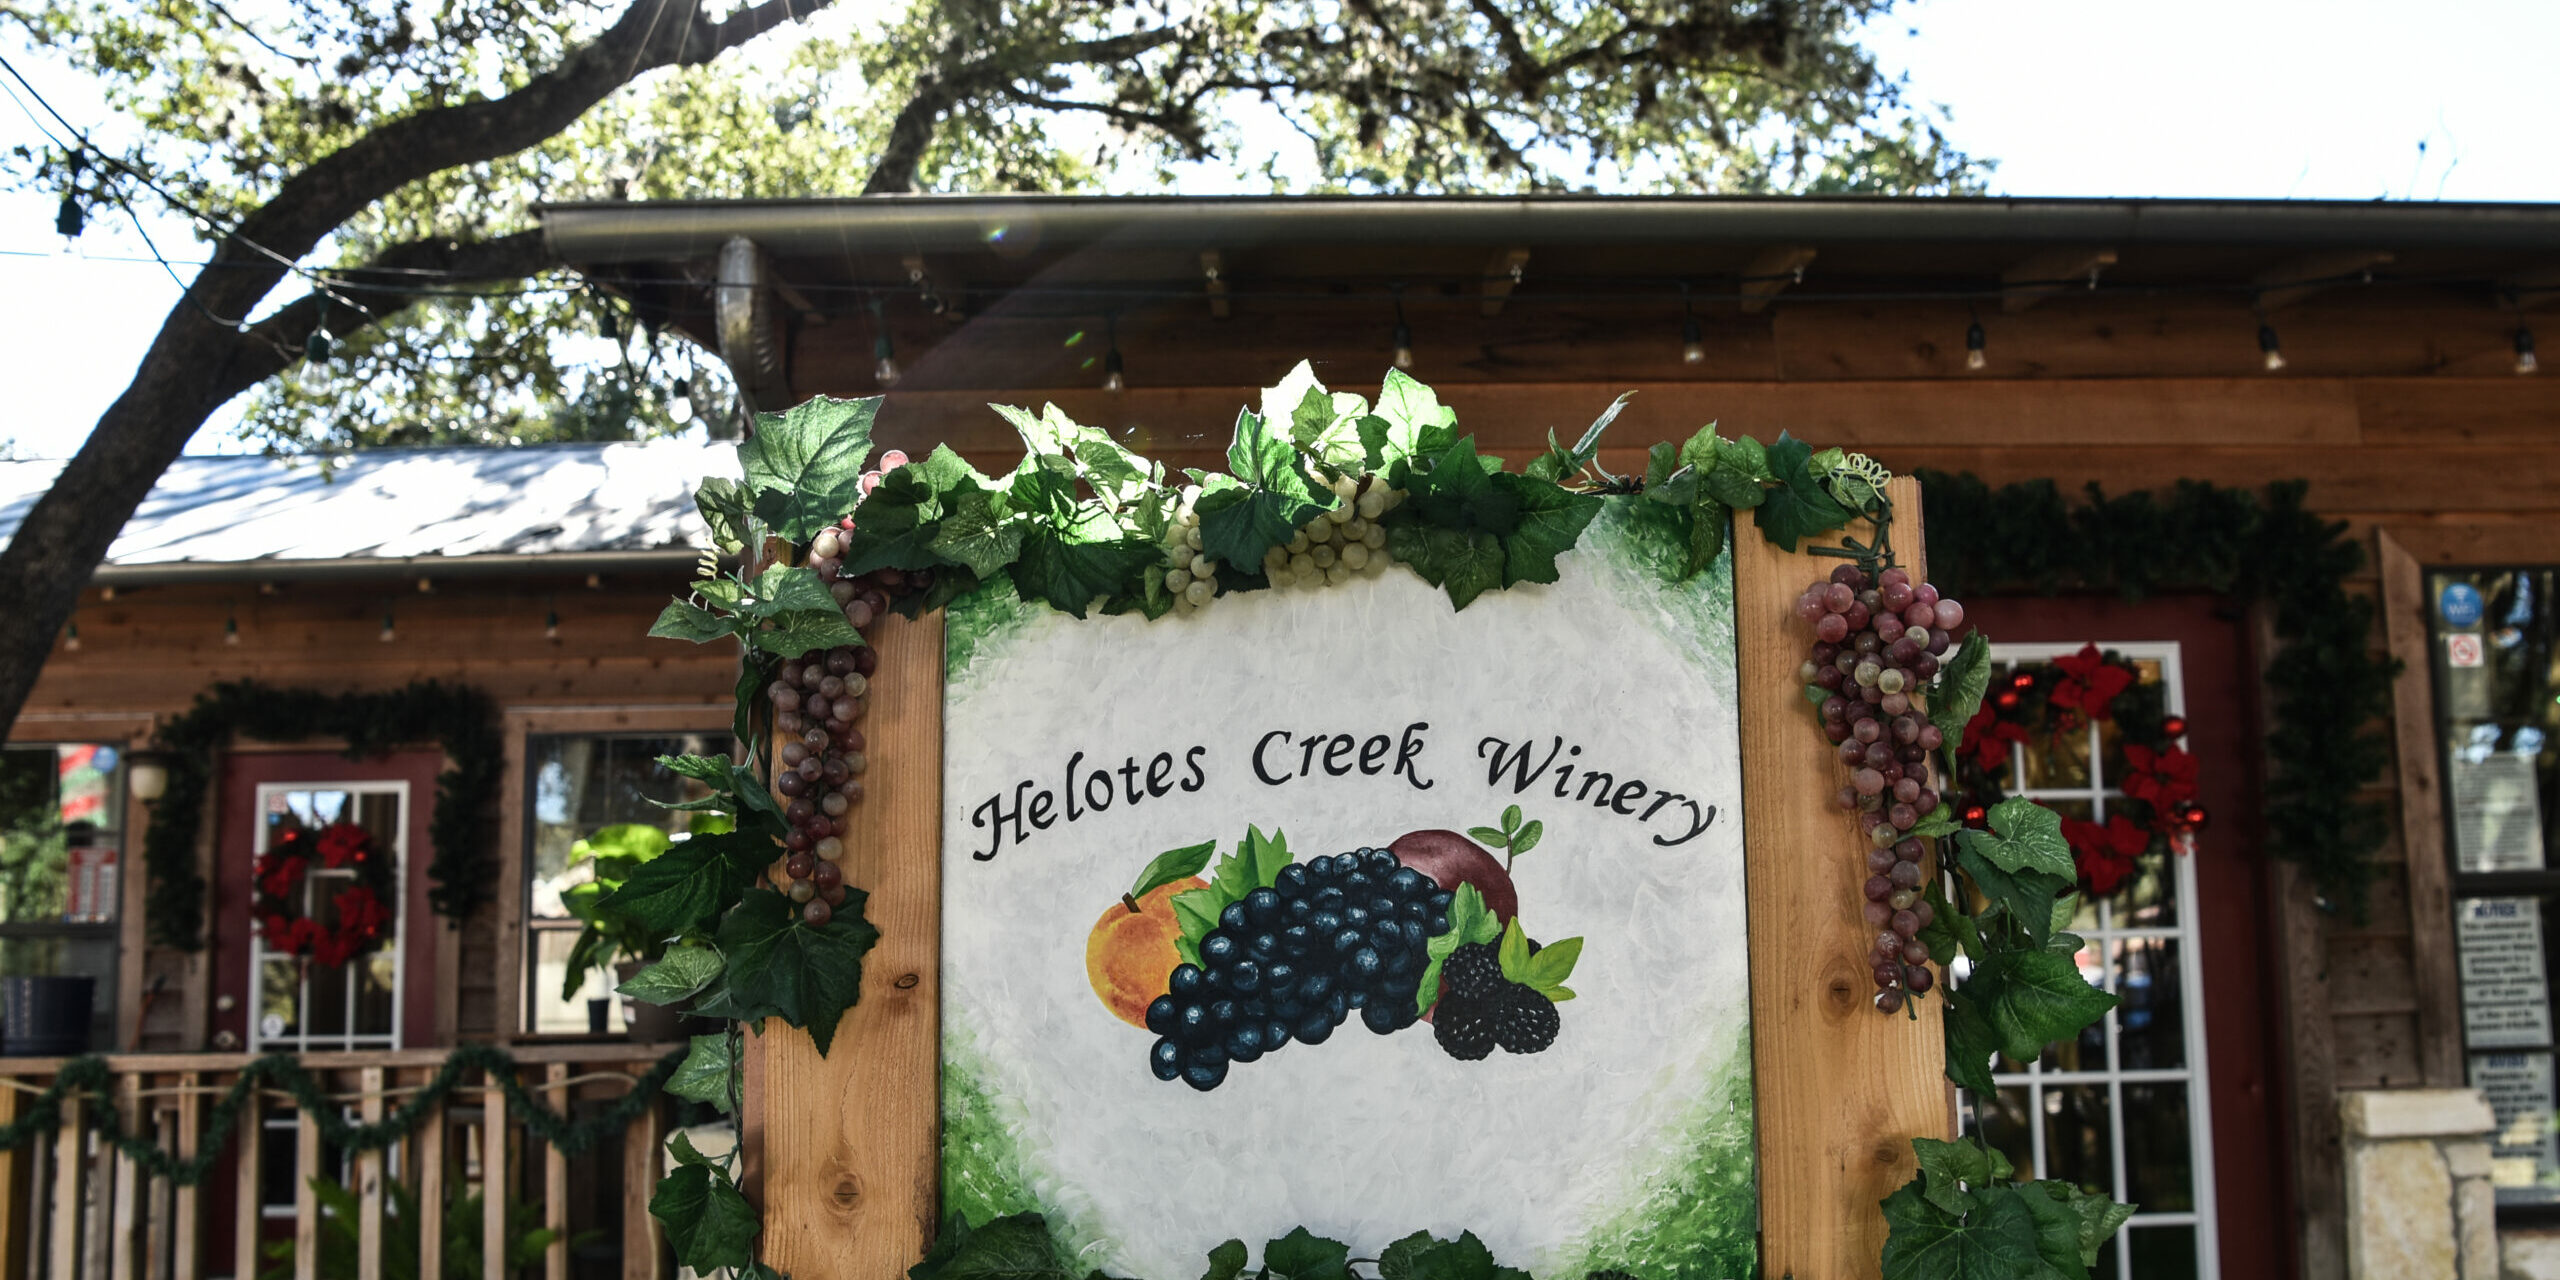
{"x":2381,"y":353}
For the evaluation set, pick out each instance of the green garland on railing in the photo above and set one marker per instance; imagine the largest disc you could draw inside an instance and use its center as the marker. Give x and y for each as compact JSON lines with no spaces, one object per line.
{"x":460,"y":718}
{"x":94,"y":1076}
{"x":2328,"y":687}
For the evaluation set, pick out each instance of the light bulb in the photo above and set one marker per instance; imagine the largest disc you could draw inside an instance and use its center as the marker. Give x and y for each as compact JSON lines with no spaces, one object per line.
{"x":2271,"y":351}
{"x":1974,"y":339}
{"x":1111,"y":372}
{"x":680,"y":404}
{"x":71,"y":638}
{"x":231,"y":631}
{"x":885,"y":371}
{"x":1403,"y":345}
{"x":1693,"y":344}
{"x":388,"y":633}
{"x":551,"y":625}
{"x":2525,"y":361}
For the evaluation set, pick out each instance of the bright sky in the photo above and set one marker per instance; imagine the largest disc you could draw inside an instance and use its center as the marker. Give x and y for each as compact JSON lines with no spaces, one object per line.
{"x":2323,"y":99}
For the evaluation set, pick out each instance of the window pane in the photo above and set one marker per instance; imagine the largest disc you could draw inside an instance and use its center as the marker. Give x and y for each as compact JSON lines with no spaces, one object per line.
{"x":2001,"y":1122}
{"x":2058,"y":759}
{"x":2492,"y":651}
{"x":553,"y":1015}
{"x":2156,"y":1148}
{"x":581,"y":784}
{"x":58,"y":834}
{"x":2078,"y":1146}
{"x":2151,"y":1021}
{"x":2163,"y":1253}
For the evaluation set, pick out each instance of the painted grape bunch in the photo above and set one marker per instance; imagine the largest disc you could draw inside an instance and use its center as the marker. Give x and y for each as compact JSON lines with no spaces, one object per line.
{"x":1877,"y":645}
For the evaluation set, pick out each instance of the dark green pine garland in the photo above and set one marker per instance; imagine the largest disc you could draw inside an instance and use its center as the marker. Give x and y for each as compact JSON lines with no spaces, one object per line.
{"x":2329,"y":689}
{"x":92,"y":1079}
{"x":460,"y":718}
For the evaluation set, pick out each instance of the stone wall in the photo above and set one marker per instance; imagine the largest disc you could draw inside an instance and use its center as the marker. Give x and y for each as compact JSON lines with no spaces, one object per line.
{"x":2419,"y":1205}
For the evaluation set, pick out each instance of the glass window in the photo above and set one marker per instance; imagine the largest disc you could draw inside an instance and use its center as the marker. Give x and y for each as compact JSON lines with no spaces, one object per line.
{"x":61,"y":843}
{"x":2493,"y":637}
{"x":576,"y":786}
{"x":2122,"y":1108}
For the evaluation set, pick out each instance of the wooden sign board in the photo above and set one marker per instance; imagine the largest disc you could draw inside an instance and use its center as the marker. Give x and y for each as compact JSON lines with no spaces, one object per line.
{"x":1714,"y":1100}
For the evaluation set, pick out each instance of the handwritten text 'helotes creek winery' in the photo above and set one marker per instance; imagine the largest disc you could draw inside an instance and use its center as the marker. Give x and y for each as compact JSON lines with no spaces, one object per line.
{"x":1284,"y":757}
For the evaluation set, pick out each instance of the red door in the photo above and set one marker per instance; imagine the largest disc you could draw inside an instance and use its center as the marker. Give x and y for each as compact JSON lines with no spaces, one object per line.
{"x":2232,"y":905}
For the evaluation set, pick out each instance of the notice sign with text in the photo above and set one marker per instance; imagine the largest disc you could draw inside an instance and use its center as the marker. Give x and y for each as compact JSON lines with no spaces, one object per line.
{"x":2506,"y":1000}
{"x":1343,"y":909}
{"x":2497,"y":813}
{"x":2524,"y":1151}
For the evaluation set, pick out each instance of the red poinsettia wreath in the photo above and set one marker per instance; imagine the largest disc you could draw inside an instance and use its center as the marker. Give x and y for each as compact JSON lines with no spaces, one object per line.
{"x":2158,"y":808}
{"x":363,"y":907}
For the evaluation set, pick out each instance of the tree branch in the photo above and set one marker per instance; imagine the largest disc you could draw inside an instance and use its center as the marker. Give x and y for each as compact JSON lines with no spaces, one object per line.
{"x":912,"y":129}
{"x":358,"y":297}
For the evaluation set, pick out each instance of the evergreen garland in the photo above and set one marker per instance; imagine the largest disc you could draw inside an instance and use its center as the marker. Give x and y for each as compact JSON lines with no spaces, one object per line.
{"x":460,"y":718}
{"x":92,"y":1079}
{"x":2328,"y":688}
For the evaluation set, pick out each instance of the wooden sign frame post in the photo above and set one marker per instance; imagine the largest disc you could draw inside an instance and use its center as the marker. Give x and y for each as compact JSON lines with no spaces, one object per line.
{"x":846,"y":1148}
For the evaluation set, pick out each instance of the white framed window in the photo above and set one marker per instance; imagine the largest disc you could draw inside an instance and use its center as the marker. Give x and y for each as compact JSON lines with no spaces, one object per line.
{"x":300,"y":1005}
{"x":2124,"y":1108}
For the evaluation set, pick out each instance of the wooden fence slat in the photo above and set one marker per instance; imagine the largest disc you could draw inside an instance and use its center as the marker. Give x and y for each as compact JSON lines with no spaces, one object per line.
{"x":641,"y":1249}
{"x":369,"y":1180}
{"x":120,"y":1253}
{"x":493,"y":1183}
{"x":430,"y":1184}
{"x":306,"y":1200}
{"x":555,"y":1180}
{"x":851,"y":1164}
{"x":1841,"y":1089}
{"x":12,"y":1238}
{"x":69,"y":1183}
{"x":186,"y":1234}
{"x":247,"y":1162}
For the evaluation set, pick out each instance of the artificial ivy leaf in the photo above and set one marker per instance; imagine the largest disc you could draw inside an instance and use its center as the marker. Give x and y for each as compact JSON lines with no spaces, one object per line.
{"x":1301,"y":1255}
{"x":1971,"y":1041}
{"x":791,"y":634}
{"x":805,"y":466}
{"x":1324,"y":423}
{"x":1396,"y":1263}
{"x":806,"y":974}
{"x":1116,"y":474}
{"x":681,"y":889}
{"x":2095,"y":1216}
{"x":977,"y":532}
{"x":1413,"y":419}
{"x":710,"y":1224}
{"x":1271,"y":499}
{"x":1551,"y":520}
{"x":787,"y":588}
{"x":676,"y":976}
{"x":1741,"y":471}
{"x":1172,"y":865}
{"x":1937,"y":823}
{"x":2025,"y":896}
{"x":684,"y":620}
{"x":1070,"y":575}
{"x":1465,"y":563}
{"x":949,"y":584}
{"x":2024,"y":836}
{"x":1997,"y":1241}
{"x":2057,"y":1228}
{"x":1949,"y":1170}
{"x":1014,"y":1247}
{"x":1799,"y":507}
{"x":1699,"y":451}
{"x":1464,"y":1258}
{"x":704,"y":1077}
{"x":723,"y":504}
{"x":682,"y":1148}
{"x":1943,"y":934}
{"x":1957,"y":695}
{"x":2032,"y":998}
{"x":1226,"y":1262}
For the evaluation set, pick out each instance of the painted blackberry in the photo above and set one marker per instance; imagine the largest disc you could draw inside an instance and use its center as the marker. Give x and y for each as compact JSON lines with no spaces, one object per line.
{"x":1524,"y":1021}
{"x":1464,"y":1027}
{"x":1472,"y":971}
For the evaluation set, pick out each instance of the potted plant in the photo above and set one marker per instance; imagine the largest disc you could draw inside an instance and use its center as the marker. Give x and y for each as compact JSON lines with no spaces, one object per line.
{"x":608,"y":942}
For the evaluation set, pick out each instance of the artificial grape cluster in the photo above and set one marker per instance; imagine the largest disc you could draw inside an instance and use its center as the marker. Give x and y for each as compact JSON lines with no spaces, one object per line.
{"x":1877,"y":644}
{"x":1190,"y":573}
{"x":817,"y":700}
{"x":1291,"y":961}
{"x":1347,"y":540}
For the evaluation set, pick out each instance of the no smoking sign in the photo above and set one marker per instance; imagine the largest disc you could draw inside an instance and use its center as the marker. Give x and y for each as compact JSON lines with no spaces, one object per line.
{"x":2462,"y":650}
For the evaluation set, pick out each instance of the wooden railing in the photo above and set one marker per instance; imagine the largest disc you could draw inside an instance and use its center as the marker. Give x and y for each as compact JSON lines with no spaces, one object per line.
{"x":75,"y":1207}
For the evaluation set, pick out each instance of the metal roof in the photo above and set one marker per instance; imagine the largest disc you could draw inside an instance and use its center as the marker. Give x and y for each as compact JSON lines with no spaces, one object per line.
{"x":540,"y":508}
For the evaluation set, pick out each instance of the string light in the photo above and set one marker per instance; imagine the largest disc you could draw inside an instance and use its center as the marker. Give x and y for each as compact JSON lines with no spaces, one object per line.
{"x":680,"y":403}
{"x":70,"y":219}
{"x":71,"y":638}
{"x":551,"y":625}
{"x":1693,"y":340}
{"x":389,"y":633}
{"x":315,"y":359}
{"x":1974,"y":340}
{"x":2525,"y":362}
{"x":2270,"y":349}
{"x":231,"y":631}
{"x":884,"y":370}
{"x":1111,"y":370}
{"x":1402,"y":336}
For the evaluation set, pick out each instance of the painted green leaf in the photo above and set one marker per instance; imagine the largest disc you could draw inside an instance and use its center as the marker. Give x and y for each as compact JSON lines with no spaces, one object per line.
{"x":1553,"y":963}
{"x":1997,"y":1241}
{"x":681,"y":889}
{"x":676,"y":976}
{"x":780,"y":965}
{"x":1799,"y":507}
{"x":1301,"y":1255}
{"x":805,"y":466}
{"x":1469,"y":921}
{"x":1957,"y":695}
{"x":685,"y":620}
{"x":1490,"y":838}
{"x":707,"y":1220}
{"x":1527,"y":837}
{"x":2024,"y":836}
{"x":1706,"y":536}
{"x":1172,"y":865}
{"x":1015,"y":1247}
{"x":1269,"y":856}
{"x":1513,"y":951}
{"x":704,"y":1077}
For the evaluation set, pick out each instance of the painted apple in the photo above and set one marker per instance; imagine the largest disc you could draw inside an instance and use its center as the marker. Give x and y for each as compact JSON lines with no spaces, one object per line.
{"x":1451,"y":859}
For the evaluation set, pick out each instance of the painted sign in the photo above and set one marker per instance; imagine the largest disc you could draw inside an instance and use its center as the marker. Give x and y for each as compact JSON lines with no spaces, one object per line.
{"x":1336,"y":907}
